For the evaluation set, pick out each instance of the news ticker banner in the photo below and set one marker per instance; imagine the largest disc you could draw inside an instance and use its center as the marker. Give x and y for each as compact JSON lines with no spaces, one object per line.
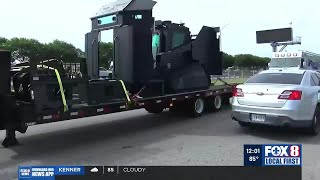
{"x":159,"y":172}
{"x":273,"y":155}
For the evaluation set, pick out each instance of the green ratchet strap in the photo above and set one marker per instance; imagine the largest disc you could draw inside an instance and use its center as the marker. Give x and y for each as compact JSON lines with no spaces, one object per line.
{"x":125,"y":90}
{"x":65,"y":107}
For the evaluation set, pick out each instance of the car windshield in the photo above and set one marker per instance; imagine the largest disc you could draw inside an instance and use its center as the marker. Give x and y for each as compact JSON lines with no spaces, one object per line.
{"x":285,"y":62}
{"x":277,"y":78}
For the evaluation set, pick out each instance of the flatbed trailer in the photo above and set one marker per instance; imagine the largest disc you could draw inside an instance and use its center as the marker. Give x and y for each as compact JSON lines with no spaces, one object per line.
{"x":212,"y":98}
{"x":222,"y":92}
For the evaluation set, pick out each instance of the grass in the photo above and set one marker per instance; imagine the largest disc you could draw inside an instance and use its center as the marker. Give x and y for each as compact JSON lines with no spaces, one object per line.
{"x":235,"y":80}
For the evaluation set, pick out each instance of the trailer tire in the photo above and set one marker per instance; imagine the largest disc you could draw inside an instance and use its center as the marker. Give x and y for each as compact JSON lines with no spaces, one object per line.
{"x":217,"y":103}
{"x":155,"y":109}
{"x":214,"y":103}
{"x":197,"y":107}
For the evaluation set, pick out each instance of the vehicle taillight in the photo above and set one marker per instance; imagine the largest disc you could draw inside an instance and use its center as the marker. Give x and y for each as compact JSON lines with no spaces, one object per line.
{"x":291,"y":95}
{"x":237,"y":92}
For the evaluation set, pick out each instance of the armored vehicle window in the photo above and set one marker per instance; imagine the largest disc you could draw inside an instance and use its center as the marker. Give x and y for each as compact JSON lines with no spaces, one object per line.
{"x":137,"y":16}
{"x":177,"y":39}
{"x":155,"y":45}
{"x":107,"y":20}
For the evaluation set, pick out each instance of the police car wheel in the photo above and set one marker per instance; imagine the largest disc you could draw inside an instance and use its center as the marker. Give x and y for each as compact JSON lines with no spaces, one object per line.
{"x":315,"y":129}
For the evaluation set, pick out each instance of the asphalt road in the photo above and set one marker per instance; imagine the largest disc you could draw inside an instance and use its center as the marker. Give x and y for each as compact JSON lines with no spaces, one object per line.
{"x":139,"y":138}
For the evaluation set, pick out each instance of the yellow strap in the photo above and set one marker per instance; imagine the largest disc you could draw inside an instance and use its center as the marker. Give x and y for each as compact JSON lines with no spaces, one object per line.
{"x":125,"y":90}
{"x":65,"y":107}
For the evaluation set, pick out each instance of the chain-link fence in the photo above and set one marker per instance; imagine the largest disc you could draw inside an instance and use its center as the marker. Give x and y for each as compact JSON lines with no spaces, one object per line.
{"x":239,"y":73}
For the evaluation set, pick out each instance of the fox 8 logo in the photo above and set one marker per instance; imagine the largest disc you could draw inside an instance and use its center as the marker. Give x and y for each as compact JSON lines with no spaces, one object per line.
{"x":287,"y":150}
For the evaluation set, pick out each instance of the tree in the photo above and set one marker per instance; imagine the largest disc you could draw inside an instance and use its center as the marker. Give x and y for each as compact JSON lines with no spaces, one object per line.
{"x":265,"y":61}
{"x":61,"y":50}
{"x":227,"y":60}
{"x":105,"y":54}
{"x":80,"y":53}
{"x":3,"y":41}
{"x":251,"y":61}
{"x":24,"y":49}
{"x":244,"y":60}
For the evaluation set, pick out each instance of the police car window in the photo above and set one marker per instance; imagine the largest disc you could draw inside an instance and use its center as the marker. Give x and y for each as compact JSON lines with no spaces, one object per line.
{"x":277,"y":78}
{"x":318,"y":76}
{"x":314,"y":79}
{"x":312,"y":83}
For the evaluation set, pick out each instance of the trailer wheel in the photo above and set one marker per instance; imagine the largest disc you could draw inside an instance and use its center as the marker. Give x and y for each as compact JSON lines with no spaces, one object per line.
{"x":197,"y":107}
{"x":217,"y":103}
{"x":155,"y":109}
{"x":214,"y":103}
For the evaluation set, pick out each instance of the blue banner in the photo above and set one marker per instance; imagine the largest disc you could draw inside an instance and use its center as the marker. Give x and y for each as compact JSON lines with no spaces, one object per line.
{"x":48,"y":172}
{"x":273,"y":155}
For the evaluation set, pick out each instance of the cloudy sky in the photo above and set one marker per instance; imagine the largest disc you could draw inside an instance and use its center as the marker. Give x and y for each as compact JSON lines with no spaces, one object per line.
{"x":68,"y":20}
